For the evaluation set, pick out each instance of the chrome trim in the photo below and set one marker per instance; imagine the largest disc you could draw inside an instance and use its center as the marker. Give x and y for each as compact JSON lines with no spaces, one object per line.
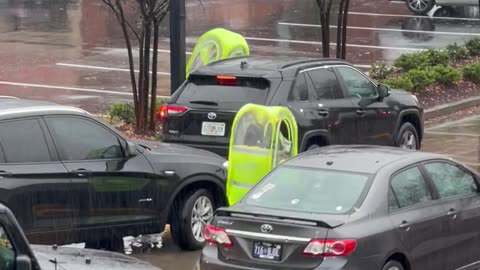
{"x":340,"y":65}
{"x":276,"y":237}
{"x":43,"y":109}
{"x":469,"y":265}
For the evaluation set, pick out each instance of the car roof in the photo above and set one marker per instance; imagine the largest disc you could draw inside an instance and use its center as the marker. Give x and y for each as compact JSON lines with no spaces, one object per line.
{"x":11,"y":107}
{"x":261,"y":66}
{"x":358,"y":158}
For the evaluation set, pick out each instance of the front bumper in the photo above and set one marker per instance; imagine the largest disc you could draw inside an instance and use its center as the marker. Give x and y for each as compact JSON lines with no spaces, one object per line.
{"x":209,"y":261}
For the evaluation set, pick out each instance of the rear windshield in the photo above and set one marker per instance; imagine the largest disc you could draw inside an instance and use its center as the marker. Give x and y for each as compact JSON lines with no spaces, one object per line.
{"x":232,"y":94}
{"x":309,"y":190}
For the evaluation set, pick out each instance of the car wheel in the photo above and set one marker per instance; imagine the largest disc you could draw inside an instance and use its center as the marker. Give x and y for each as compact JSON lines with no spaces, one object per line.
{"x":191,"y":217}
{"x":407,"y":137}
{"x":420,"y":7}
{"x":393,"y":265}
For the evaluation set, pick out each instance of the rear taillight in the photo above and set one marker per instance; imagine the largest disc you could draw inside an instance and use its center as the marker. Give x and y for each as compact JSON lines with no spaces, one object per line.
{"x":329,"y":248}
{"x":218,"y":236}
{"x":227,"y":80}
{"x":166,"y":110}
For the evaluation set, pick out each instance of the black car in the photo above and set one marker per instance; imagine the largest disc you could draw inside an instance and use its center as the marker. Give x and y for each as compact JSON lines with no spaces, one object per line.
{"x":17,"y":254}
{"x":333,"y":103}
{"x":353,"y":208}
{"x":68,"y":178}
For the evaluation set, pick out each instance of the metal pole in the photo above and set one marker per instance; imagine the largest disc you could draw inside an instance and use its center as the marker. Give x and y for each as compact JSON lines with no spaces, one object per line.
{"x":178,"y":61}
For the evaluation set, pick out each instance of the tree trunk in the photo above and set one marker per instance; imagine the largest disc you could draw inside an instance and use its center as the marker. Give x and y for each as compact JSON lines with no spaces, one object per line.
{"x":146,"y":71}
{"x":325,"y":25}
{"x":141,"y":78}
{"x":153,"y":101}
{"x":339,"y":29}
{"x":345,"y":29}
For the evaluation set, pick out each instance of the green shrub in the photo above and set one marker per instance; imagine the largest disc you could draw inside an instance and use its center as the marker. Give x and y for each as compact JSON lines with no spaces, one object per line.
{"x":445,"y":74}
{"x":420,"y":79}
{"x":457,"y":52}
{"x":380,"y":71}
{"x":472,"y":72}
{"x":473,"y":46}
{"x":421,"y":60}
{"x":122,"y":112}
{"x":399,"y":82}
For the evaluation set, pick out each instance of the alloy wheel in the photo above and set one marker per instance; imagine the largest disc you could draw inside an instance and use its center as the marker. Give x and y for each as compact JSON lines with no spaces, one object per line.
{"x":202,"y":215}
{"x":408,"y":140}
{"x":419,"y":5}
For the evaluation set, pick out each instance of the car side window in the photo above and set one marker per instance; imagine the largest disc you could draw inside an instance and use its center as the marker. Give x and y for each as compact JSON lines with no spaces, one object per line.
{"x":409,"y":188}
{"x":326,"y":83}
{"x":7,"y":252}
{"x":450,"y":180}
{"x":356,"y":83}
{"x":300,"y":89}
{"x":23,"y":141}
{"x":81,"y":139}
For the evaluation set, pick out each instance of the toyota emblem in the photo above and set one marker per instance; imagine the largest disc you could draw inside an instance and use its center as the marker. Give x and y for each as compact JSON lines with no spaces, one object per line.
{"x":212,"y":115}
{"x":266,"y":228}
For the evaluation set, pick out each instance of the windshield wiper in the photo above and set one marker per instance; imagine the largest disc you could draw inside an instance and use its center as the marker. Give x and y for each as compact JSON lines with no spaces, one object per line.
{"x":204,"y":102}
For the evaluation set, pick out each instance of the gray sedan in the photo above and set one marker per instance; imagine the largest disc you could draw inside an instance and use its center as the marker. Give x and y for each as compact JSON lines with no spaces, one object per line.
{"x":422,"y":7}
{"x":353,"y":208}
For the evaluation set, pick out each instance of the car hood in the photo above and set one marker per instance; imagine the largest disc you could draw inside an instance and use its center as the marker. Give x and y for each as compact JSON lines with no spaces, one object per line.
{"x":70,"y":258}
{"x":158,"y":148}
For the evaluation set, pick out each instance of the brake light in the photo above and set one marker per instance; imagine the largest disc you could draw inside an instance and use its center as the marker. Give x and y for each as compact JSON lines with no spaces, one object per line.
{"x":166,"y":110}
{"x":329,"y":248}
{"x":218,"y":236}
{"x":226,"y":80}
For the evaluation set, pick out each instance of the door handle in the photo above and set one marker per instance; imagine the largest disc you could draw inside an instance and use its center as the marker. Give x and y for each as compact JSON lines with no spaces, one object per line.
{"x":452,"y":212}
{"x":361,"y":112}
{"x":323,"y":113}
{"x":5,"y":174}
{"x":405,"y":225}
{"x":82,"y":172}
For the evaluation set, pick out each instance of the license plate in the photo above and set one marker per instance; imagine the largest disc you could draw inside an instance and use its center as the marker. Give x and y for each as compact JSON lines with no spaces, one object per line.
{"x":267,"y":251}
{"x":213,"y":129}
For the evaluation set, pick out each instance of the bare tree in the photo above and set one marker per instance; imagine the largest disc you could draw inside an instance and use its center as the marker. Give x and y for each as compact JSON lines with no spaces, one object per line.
{"x":152,"y":14}
{"x":325,"y":7}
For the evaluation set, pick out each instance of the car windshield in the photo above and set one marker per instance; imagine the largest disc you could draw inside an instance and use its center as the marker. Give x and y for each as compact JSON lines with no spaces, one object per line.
{"x":231,"y":94}
{"x":309,"y":190}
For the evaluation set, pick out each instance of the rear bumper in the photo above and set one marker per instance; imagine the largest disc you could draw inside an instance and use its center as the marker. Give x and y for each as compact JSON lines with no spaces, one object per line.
{"x":209,"y":261}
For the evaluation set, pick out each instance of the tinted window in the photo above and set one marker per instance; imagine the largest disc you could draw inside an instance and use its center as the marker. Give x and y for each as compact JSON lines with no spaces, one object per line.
{"x":24,"y":141}
{"x":7,"y":253}
{"x":451,"y":180}
{"x":409,"y":188}
{"x":232,"y":94}
{"x":309,"y":190}
{"x":325,"y":83}
{"x":356,"y":83}
{"x":300,"y":89}
{"x":81,"y":139}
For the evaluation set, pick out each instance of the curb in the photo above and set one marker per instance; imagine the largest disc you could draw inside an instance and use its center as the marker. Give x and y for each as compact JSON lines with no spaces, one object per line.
{"x":451,"y":107}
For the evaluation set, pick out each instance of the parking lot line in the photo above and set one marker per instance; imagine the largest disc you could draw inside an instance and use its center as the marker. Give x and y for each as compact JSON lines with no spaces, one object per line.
{"x":105,"y":68}
{"x":383,"y":29}
{"x":334,"y":44}
{"x":410,"y":16}
{"x":452,"y":134}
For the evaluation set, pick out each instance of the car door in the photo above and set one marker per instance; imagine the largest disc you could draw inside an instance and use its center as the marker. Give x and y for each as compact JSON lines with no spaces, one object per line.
{"x":34,"y":184}
{"x":418,"y":219}
{"x":334,"y":113}
{"x":376,"y":119}
{"x":458,"y":188}
{"x":110,"y":188}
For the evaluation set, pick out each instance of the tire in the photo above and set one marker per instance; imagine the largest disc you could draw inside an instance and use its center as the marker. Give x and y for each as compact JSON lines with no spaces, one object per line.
{"x":182,"y":228}
{"x":313,"y":146}
{"x":407,"y":137}
{"x":393,"y":265}
{"x":420,"y":7}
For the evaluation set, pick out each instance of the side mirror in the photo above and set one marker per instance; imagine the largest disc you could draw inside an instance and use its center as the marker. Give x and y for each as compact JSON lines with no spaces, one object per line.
{"x":383,"y":91}
{"x":23,"y":262}
{"x":131,"y":149}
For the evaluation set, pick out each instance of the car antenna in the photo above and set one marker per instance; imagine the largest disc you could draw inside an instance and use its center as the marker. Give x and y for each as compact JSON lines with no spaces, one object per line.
{"x":243,"y":64}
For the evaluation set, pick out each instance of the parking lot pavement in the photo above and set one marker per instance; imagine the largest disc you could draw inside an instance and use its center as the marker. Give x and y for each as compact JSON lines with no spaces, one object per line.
{"x":459,"y":139}
{"x":72,"y":52}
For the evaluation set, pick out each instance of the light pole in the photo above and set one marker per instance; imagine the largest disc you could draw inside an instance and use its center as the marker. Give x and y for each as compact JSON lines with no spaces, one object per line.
{"x":178,"y":60}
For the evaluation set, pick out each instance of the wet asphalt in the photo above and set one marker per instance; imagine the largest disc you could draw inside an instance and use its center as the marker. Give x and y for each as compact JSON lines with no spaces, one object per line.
{"x":72,"y":52}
